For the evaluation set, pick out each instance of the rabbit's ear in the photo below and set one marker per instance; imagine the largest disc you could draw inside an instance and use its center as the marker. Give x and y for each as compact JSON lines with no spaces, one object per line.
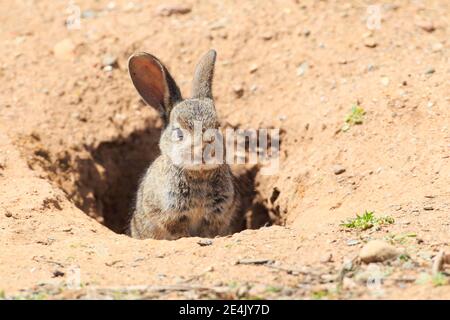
{"x":154,"y":83}
{"x":204,"y":72}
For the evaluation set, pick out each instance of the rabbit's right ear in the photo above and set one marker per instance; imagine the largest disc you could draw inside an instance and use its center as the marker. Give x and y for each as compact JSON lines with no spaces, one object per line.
{"x":154,"y":83}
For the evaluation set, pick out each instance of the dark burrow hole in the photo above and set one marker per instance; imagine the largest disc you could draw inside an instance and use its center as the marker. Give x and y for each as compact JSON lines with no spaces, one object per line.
{"x":103,"y":183}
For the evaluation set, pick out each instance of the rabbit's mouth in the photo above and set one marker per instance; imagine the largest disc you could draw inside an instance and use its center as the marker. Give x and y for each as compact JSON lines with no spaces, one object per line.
{"x":195,"y":158}
{"x":201,"y":167}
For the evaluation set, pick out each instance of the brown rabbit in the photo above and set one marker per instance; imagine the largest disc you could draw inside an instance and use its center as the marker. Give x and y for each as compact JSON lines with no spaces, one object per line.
{"x":178,"y":198}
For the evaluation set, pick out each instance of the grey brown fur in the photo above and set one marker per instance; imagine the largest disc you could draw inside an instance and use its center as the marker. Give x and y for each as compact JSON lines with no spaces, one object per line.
{"x":173,"y":200}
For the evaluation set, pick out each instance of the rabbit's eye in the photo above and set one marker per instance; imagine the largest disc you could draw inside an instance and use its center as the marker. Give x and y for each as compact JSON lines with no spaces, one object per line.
{"x":177,"y":134}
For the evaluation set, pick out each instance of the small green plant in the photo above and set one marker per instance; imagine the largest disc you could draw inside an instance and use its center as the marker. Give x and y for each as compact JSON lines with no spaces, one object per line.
{"x":439,"y":279}
{"x":355,"y":117}
{"x":118,"y":295}
{"x":404,"y":257}
{"x":366,"y":221}
{"x":318,"y":295}
{"x":39,"y":295}
{"x":402,"y":238}
{"x":273,"y":289}
{"x":2,"y":295}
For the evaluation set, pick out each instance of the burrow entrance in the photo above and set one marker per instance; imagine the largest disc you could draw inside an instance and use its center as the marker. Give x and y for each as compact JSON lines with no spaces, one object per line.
{"x":102,"y":180}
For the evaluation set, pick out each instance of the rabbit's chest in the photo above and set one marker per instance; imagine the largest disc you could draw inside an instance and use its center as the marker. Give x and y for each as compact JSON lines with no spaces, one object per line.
{"x":203,"y":201}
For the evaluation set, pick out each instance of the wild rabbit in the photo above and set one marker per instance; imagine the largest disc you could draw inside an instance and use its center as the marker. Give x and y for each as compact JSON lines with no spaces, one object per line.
{"x":178,"y":198}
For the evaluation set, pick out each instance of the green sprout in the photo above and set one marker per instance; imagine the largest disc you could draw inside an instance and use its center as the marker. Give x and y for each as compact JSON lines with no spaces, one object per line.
{"x":355,"y":117}
{"x":438,"y":279}
{"x":366,"y":221}
{"x":321,"y":294}
{"x":404,"y":257}
{"x":273,"y":289}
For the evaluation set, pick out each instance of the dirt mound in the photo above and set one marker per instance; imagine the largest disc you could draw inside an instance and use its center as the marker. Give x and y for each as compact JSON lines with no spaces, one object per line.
{"x":359,"y":92}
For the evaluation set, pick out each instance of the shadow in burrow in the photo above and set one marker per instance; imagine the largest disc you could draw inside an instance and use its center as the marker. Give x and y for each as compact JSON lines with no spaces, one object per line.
{"x":108,"y":180}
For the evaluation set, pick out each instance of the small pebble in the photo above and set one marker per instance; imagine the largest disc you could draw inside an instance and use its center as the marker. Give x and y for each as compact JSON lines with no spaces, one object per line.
{"x":253,"y":88}
{"x":267,"y":36}
{"x":109,"y":60}
{"x":238,"y":90}
{"x":58,"y":273}
{"x":428,"y":208}
{"x":328,"y":277}
{"x":338,"y":169}
{"x":377,"y":251}
{"x":385,"y":81}
{"x":204,"y":242}
{"x":218,"y":24}
{"x":427,"y":26}
{"x":2,"y":162}
{"x":352,"y":242}
{"x":371,"y":67}
{"x":436,"y":47}
{"x":168,"y":10}
{"x":302,"y":68}
{"x":8,"y":214}
{"x":430,"y":71}
{"x":326,"y":258}
{"x":209,"y":269}
{"x":370,"y":43}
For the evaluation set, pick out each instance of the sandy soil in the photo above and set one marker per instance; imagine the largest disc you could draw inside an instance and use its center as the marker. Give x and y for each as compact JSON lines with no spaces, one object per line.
{"x":75,"y":138}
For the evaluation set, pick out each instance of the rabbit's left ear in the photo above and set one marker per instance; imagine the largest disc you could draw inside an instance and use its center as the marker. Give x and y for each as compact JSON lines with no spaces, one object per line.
{"x":203,"y":77}
{"x":154,"y":83}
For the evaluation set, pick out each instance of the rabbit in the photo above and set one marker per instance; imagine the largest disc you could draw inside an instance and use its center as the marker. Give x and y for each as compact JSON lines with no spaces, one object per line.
{"x":177,"y":199}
